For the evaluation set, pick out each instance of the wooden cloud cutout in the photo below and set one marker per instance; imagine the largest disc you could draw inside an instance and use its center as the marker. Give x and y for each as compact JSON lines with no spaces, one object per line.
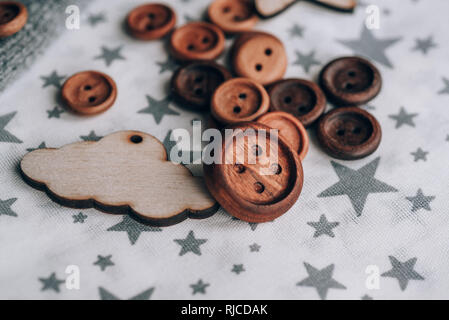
{"x":126,"y":172}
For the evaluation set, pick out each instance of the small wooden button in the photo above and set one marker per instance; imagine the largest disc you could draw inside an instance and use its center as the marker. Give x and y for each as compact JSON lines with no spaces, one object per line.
{"x":349,"y":133}
{"x":350,"y":81}
{"x":13,"y":17}
{"x":259,"y":56}
{"x":89,"y":92}
{"x":290,"y":128}
{"x":301,"y":98}
{"x":253,"y":182}
{"x":151,"y":21}
{"x":195,"y":83}
{"x":197,"y":41}
{"x":239,"y":100}
{"x":233,"y":16}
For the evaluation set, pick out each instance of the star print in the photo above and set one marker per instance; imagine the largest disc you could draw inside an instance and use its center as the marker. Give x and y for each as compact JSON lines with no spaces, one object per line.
{"x":6,"y":136}
{"x":238,"y":268}
{"x":357,"y":184}
{"x":199,"y":287}
{"x":403,"y":118}
{"x":168,"y":65}
{"x":424,"y":45}
{"x":367,"y":297}
{"x":320,"y":279}
{"x":323,"y":227}
{"x":296,"y":31}
{"x":254,"y":247}
{"x":52,"y":80}
{"x":252,"y":225}
{"x":106,"y":295}
{"x":91,"y":137}
{"x":403,"y":271}
{"x":104,"y":262}
{"x":419,"y":154}
{"x":188,"y":18}
{"x":41,"y":146}
{"x":51,"y":282}
{"x":5,"y":207}
{"x":445,"y":90}
{"x":420,"y":201}
{"x":447,"y":137}
{"x":95,"y":19}
{"x":55,"y":113}
{"x":306,"y":60}
{"x":109,"y":55}
{"x":370,"y":46}
{"x":190,"y":244}
{"x":133,"y":228}
{"x":79,"y":218}
{"x":158,"y":108}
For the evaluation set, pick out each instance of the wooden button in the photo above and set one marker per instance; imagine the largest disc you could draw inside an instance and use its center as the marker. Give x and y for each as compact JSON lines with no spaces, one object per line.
{"x":13,"y":17}
{"x":290,"y":128}
{"x":151,"y":21}
{"x":350,"y":81}
{"x":301,"y":98}
{"x":259,"y":56}
{"x":197,"y":41}
{"x":252,"y":183}
{"x":239,"y":100}
{"x":195,"y":83}
{"x":233,"y":16}
{"x":89,"y":92}
{"x":349,"y":133}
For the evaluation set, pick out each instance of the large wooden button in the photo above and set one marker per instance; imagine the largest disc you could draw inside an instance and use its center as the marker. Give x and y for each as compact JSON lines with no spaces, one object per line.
{"x":290,"y":128}
{"x":239,"y":100}
{"x":151,"y":21}
{"x":259,"y":176}
{"x":195,"y":83}
{"x":13,"y":17}
{"x":233,"y":16}
{"x":259,"y":56}
{"x":350,"y":81}
{"x":301,"y":98}
{"x":349,"y":133}
{"x":89,"y":92}
{"x":197,"y":41}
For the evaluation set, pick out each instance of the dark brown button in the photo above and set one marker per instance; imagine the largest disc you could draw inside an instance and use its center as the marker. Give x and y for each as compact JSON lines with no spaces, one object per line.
{"x":290,"y":128}
{"x":301,"y":98}
{"x":13,"y":17}
{"x":349,"y":133}
{"x":151,"y":21}
{"x":239,"y":100}
{"x":350,"y":81}
{"x":195,"y":83}
{"x":259,"y":56}
{"x":89,"y":92}
{"x":197,"y":41}
{"x":233,"y":16}
{"x":252,"y":182}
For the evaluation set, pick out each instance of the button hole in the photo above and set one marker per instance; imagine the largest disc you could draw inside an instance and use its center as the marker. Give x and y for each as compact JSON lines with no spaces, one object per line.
{"x":351,"y":73}
{"x":87,"y":88}
{"x":357,"y":130}
{"x":190,"y":47}
{"x":288,"y":99}
{"x":151,"y":16}
{"x":242,"y":96}
{"x":259,"y":187}
{"x":341,"y":132}
{"x":205,"y":40}
{"x":257,"y":150}
{"x":199,"y":91}
{"x":268,"y":52}
{"x":92,"y":99}
{"x":276,"y":168}
{"x":237,"y":109}
{"x":198,"y":79}
{"x":226,"y":9}
{"x":303,"y":109}
{"x":348,"y":86}
{"x":136,"y":139}
{"x":239,"y":168}
{"x":258,"y":67}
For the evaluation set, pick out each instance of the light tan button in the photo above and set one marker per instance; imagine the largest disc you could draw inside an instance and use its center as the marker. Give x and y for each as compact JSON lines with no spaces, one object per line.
{"x":89,"y":92}
{"x":151,"y":21}
{"x":239,"y":100}
{"x":197,"y":41}
{"x":233,"y":16}
{"x":259,"y":56}
{"x":13,"y":17}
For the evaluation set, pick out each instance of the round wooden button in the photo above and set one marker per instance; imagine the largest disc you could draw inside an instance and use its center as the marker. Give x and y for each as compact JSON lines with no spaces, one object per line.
{"x":89,"y":92}
{"x":259,"y":56}
{"x":238,"y":100}
{"x":349,"y":133}
{"x":197,"y":41}
{"x":151,"y":21}
{"x":259,"y":177}
{"x":301,"y":98}
{"x":13,"y":17}
{"x":350,"y":81}
{"x":233,"y":16}
{"x":290,"y":128}
{"x":195,"y":83}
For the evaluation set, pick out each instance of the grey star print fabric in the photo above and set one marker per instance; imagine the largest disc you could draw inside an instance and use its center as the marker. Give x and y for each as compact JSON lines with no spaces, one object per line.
{"x":375,"y":228}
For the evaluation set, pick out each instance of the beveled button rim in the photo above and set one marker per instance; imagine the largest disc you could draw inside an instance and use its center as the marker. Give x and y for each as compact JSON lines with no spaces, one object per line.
{"x":238,"y":26}
{"x":151,"y":34}
{"x":15,"y":25}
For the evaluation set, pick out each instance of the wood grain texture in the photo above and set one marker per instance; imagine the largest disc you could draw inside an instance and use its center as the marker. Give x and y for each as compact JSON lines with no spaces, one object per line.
{"x":150,"y":21}
{"x":270,"y":8}
{"x":126,"y":172}
{"x":233,"y":16}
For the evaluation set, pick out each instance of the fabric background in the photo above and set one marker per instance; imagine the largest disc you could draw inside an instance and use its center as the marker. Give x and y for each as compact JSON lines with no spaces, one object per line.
{"x":389,"y":210}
